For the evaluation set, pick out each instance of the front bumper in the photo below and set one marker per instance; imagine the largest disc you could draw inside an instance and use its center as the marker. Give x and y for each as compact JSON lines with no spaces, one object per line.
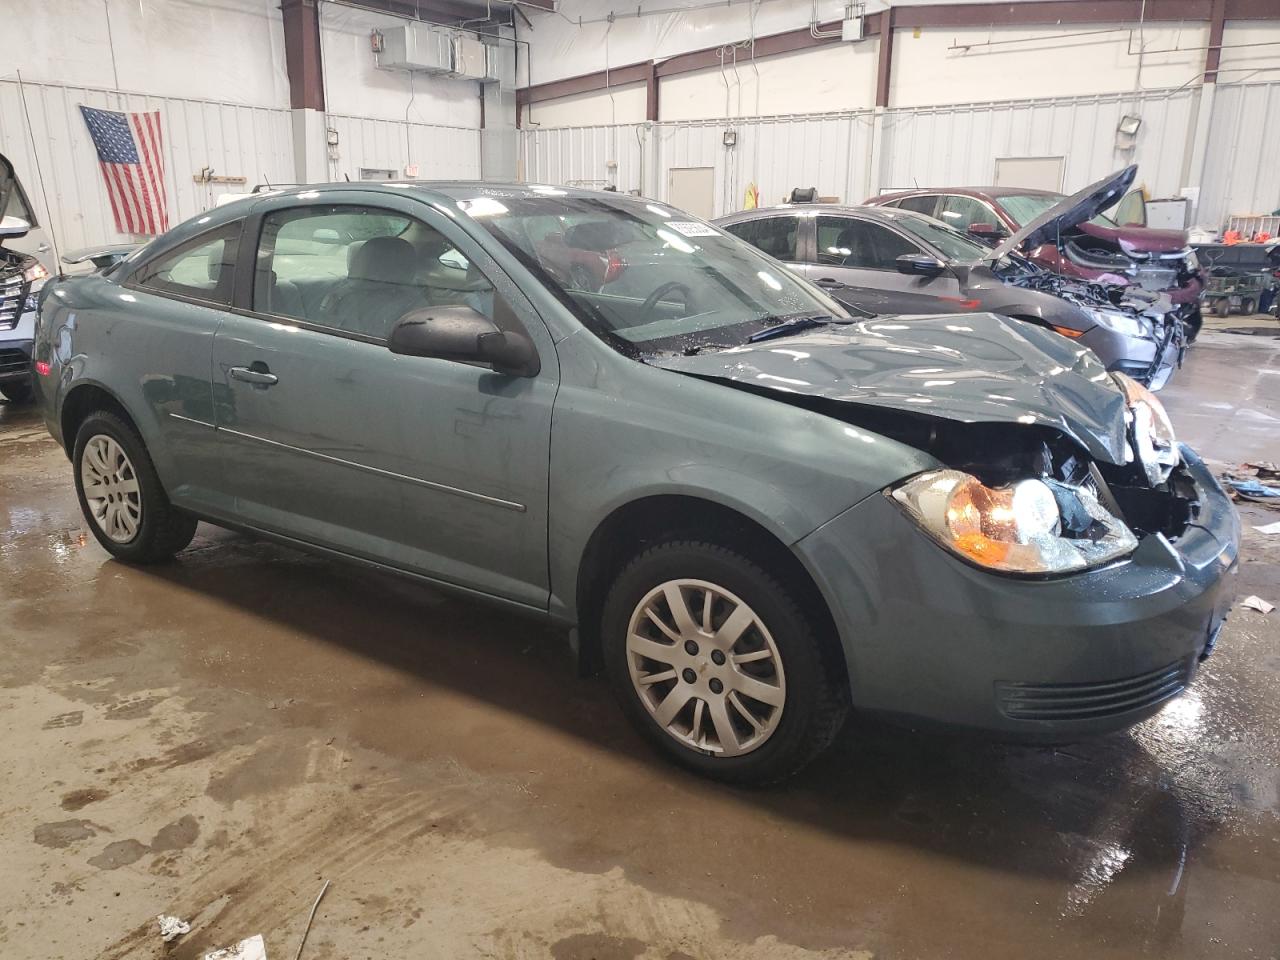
{"x":15,"y":348}
{"x":931,"y":637}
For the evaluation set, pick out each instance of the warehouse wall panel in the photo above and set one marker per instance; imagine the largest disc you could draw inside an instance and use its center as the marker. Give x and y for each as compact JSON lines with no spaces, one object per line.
{"x":440,"y":152}
{"x":1241,"y":172}
{"x":227,"y":139}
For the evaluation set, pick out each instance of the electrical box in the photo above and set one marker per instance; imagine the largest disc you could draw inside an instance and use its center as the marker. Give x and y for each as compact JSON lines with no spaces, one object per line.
{"x":851,"y":29}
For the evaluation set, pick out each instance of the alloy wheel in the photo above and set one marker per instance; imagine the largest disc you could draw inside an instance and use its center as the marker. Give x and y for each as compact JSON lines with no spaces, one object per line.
{"x":111,"y":488}
{"x":705,"y":667}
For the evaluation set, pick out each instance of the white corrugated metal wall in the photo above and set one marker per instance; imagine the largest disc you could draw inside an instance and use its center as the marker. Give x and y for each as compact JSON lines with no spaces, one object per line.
{"x":234,"y":140}
{"x":1242,"y":163}
{"x":441,"y":152}
{"x":855,"y":155}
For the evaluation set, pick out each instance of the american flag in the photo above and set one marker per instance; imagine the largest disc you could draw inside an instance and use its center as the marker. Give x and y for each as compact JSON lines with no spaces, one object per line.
{"x":130,"y":152}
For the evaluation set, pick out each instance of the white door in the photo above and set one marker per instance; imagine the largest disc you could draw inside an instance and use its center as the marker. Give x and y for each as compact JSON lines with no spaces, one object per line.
{"x":693,"y":189}
{"x":1033,"y":173}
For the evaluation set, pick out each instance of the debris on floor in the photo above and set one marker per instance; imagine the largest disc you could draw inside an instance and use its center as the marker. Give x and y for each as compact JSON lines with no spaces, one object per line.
{"x":251,"y":949}
{"x":1269,"y":528}
{"x":172,"y":927}
{"x":1258,"y":482}
{"x":1254,"y":602}
{"x":311,"y":919}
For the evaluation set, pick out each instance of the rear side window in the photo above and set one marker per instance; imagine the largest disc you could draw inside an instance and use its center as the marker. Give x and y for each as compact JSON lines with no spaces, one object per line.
{"x":923,"y":205}
{"x":847,"y":242}
{"x":200,"y":269}
{"x":776,"y":236}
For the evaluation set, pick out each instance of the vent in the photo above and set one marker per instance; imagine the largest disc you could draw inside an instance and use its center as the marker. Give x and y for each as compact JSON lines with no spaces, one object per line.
{"x":1087,"y":701}
{"x":13,"y":294}
{"x":423,"y":49}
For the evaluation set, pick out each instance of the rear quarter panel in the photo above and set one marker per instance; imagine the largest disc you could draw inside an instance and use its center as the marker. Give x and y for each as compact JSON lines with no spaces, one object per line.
{"x":152,"y":354}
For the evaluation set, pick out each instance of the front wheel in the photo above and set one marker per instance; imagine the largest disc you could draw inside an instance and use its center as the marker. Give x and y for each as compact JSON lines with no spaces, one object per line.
{"x":121,"y":496}
{"x":1247,"y":306}
{"x":719,"y":663}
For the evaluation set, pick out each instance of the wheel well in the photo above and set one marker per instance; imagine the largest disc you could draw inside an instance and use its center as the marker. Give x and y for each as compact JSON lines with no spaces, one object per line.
{"x":638,"y":525}
{"x":81,"y":402}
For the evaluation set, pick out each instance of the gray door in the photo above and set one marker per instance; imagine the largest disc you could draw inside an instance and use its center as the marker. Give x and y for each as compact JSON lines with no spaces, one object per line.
{"x":863,"y":255}
{"x":428,"y":465}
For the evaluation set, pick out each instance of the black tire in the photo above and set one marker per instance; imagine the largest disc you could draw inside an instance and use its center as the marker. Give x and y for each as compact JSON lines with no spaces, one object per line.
{"x":18,"y":392}
{"x":163,"y":530}
{"x":1246,"y":306}
{"x":1221,"y":308}
{"x":817,"y":701}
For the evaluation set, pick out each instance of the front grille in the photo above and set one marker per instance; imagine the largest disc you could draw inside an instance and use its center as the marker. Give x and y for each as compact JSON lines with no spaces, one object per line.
{"x":13,"y":361}
{"x":1086,"y":701}
{"x":13,"y":294}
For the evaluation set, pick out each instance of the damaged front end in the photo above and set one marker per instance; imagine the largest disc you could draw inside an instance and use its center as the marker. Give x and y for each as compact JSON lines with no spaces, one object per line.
{"x":1157,"y":328}
{"x":1031,"y":503}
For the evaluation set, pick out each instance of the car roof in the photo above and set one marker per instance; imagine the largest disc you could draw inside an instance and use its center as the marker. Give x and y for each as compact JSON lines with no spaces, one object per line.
{"x":817,"y":209}
{"x":994,"y":192}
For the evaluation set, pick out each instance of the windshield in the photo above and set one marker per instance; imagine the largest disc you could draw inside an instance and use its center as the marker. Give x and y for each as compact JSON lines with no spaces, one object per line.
{"x":953,"y":244}
{"x":1025,"y":207}
{"x":645,"y":277}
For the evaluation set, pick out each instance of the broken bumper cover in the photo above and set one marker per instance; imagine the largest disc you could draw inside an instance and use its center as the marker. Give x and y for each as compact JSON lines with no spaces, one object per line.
{"x":928,"y":636}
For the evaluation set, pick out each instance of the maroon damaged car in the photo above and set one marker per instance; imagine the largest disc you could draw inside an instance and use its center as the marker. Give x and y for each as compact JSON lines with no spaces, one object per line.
{"x":1099,"y":250}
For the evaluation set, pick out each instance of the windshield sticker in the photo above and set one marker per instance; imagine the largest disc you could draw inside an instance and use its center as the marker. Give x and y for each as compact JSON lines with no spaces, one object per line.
{"x":691,"y":228}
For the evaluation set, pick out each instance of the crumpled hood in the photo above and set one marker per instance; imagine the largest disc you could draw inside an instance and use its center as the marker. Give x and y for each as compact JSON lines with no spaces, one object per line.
{"x":973,"y":368}
{"x":1069,"y":212}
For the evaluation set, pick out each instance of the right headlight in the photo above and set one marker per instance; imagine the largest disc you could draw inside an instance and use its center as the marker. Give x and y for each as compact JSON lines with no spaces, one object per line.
{"x":1028,"y":527}
{"x":1124,"y":324}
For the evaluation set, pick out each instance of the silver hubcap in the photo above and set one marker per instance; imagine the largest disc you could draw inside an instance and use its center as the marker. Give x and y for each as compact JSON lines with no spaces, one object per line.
{"x":706,"y":668}
{"x":111,"y":488}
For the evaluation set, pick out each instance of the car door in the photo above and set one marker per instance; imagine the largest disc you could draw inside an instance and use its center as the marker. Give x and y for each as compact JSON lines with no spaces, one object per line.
{"x":171,"y":306}
{"x":862,"y":256}
{"x":431,"y":466}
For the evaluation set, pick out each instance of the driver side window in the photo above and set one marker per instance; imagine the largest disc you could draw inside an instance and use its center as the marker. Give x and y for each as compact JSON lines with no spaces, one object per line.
{"x":848,"y":242}
{"x":358,"y":270}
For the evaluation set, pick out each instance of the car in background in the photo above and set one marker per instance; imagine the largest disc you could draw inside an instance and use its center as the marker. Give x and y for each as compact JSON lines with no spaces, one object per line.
{"x":1094,"y":248}
{"x":898,"y":262}
{"x":21,"y":276}
{"x":754,"y":510}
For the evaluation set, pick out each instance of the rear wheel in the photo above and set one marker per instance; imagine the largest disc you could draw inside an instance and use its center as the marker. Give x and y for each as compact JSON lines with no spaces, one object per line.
{"x":19,"y":392}
{"x":1221,"y":308}
{"x":1247,"y":306}
{"x":718,"y":663}
{"x":121,"y":496}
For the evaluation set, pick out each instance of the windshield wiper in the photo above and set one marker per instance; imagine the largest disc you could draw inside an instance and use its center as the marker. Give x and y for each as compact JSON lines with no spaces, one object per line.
{"x":793,"y":325}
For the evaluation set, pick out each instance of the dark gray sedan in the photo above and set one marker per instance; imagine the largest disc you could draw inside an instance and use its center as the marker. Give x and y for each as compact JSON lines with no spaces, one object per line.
{"x":756,"y":511}
{"x":893,"y":261}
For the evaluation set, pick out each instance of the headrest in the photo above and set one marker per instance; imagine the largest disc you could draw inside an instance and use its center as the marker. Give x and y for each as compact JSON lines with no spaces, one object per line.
{"x":384,"y":259}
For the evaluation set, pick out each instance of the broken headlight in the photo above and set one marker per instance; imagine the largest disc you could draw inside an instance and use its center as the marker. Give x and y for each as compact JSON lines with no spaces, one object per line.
{"x":1122,"y":323}
{"x":1028,"y":527}
{"x":1152,"y":432}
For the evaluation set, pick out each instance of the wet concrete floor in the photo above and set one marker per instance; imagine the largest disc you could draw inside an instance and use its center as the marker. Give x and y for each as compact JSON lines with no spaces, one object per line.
{"x":213,"y":737}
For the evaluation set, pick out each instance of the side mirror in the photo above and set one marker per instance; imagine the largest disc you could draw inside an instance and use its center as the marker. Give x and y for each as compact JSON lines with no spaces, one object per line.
{"x":987,"y":231}
{"x":920,"y":265}
{"x":465,"y":335}
{"x":14,"y":227}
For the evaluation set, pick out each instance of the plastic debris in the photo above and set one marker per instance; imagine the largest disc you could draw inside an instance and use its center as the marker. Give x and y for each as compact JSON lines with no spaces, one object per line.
{"x":251,"y":949}
{"x":1253,"y":602}
{"x":1258,"y":482}
{"x":1269,"y":528}
{"x":172,"y":927}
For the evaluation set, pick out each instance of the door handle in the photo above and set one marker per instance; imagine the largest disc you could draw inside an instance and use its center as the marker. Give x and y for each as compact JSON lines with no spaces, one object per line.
{"x":258,"y":375}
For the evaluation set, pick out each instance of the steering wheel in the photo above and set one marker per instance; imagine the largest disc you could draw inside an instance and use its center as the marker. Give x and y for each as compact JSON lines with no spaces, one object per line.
{"x":651,"y":301}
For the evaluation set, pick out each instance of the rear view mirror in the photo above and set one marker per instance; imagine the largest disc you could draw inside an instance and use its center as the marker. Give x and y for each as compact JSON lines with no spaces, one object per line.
{"x":14,"y":227}
{"x":920,"y":265}
{"x":462,"y":334}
